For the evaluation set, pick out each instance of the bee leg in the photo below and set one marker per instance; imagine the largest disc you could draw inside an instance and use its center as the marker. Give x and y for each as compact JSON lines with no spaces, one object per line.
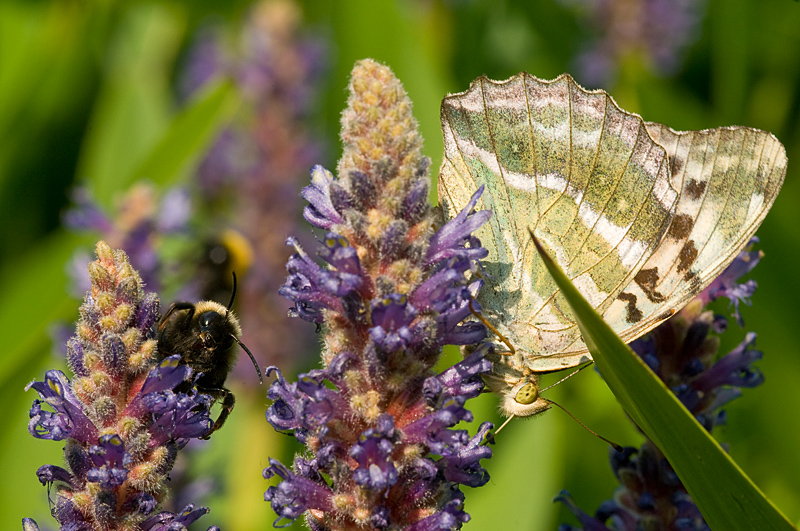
{"x":176,"y":307}
{"x":228,"y":401}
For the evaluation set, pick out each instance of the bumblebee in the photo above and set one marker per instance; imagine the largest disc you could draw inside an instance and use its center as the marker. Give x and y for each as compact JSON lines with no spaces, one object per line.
{"x":203,"y":334}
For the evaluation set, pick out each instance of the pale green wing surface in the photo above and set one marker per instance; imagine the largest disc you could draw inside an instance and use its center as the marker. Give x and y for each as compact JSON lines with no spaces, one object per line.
{"x":639,"y":217}
{"x":728,"y":178}
{"x":584,"y":175}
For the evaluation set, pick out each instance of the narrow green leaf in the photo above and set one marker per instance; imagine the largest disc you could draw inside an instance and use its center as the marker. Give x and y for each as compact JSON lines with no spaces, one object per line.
{"x":727,"y":498}
{"x":133,"y":108}
{"x":189,"y":135}
{"x":34,"y":298}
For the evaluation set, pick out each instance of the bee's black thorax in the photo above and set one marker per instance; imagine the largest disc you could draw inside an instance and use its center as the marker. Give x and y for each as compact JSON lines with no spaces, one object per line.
{"x":204,"y":340}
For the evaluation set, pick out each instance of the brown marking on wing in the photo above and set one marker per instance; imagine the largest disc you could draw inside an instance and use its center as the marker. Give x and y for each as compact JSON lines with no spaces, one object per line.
{"x":676,"y":165}
{"x":647,"y":279}
{"x":634,"y":313}
{"x":681,"y":226}
{"x":695,"y":189}
{"x":687,"y":256}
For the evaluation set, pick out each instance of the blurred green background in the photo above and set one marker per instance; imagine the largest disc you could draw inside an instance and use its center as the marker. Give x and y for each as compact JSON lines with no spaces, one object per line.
{"x":89,"y":94}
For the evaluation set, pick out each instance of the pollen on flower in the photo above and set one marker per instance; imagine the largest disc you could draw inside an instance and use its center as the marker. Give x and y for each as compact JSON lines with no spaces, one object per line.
{"x":100,"y":277}
{"x":129,"y":338}
{"x":144,"y":471}
{"x":83,"y":388}
{"x":127,"y":426}
{"x":101,"y":382}
{"x":124,"y":313}
{"x":86,"y":333}
{"x":105,"y":301}
{"x":142,"y":358}
{"x":83,"y":500}
{"x":369,"y":99}
{"x":361,"y":515}
{"x":108,"y":322}
{"x":411,"y":452}
{"x":344,"y":502}
{"x":91,"y":359}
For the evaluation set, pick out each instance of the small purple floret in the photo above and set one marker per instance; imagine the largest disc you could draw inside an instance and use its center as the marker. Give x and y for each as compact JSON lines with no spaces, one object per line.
{"x":110,"y":461}
{"x":67,"y":420}
{"x":320,"y":212}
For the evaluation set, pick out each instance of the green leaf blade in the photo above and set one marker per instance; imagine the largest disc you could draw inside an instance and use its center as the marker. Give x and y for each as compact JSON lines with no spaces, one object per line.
{"x":189,"y":134}
{"x":727,"y":498}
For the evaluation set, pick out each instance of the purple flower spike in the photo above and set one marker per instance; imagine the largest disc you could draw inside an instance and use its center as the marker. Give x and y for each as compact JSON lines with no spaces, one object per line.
{"x":588,"y":523}
{"x":450,"y":240}
{"x":173,"y":522}
{"x":376,"y":420}
{"x":313,"y":288}
{"x":49,"y":474}
{"x":286,"y":410}
{"x":733,"y":369}
{"x":178,"y":416}
{"x":121,"y":416}
{"x":373,"y":454}
{"x":392,"y":317}
{"x":295,"y":494}
{"x":725,"y":285}
{"x":452,"y":516}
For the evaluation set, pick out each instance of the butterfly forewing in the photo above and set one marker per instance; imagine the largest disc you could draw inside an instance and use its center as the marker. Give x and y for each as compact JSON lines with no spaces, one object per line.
{"x":640,"y":217}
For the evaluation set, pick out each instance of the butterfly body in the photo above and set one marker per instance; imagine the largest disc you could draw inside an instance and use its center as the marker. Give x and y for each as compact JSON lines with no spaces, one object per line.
{"x":640,"y":217}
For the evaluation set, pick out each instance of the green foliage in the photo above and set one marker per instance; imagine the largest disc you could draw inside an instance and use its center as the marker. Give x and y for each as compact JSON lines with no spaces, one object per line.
{"x":87,"y":96}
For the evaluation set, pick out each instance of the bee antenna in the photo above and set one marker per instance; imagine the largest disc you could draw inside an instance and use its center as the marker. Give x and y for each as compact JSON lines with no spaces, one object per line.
{"x":252,"y":358}
{"x":233,"y":292}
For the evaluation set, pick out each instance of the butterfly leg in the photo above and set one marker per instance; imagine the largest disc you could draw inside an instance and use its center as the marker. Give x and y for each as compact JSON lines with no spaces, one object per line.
{"x":490,"y":326}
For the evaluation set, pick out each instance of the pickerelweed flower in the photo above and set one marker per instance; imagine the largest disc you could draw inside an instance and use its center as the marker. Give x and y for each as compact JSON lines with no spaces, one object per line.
{"x":248,"y":181}
{"x":376,"y":419}
{"x":683,"y":354}
{"x":120,"y":419}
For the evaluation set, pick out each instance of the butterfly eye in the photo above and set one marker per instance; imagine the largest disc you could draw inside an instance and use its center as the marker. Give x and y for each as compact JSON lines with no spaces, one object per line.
{"x":527,"y":394}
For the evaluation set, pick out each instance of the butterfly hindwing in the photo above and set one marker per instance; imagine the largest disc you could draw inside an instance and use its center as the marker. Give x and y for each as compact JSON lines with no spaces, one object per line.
{"x":728,"y":178}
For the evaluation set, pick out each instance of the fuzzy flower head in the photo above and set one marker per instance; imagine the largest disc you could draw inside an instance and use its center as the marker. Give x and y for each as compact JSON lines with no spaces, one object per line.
{"x":683,"y":352}
{"x":388,"y":292}
{"x":120,"y":419}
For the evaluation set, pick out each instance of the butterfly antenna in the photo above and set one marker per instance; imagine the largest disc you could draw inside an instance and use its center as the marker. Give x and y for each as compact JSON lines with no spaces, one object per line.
{"x":616,"y":446}
{"x":490,"y":326}
{"x":490,"y":436}
{"x":570,"y":375}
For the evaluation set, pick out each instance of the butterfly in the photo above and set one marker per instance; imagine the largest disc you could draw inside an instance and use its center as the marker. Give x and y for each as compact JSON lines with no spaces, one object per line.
{"x":640,"y":217}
